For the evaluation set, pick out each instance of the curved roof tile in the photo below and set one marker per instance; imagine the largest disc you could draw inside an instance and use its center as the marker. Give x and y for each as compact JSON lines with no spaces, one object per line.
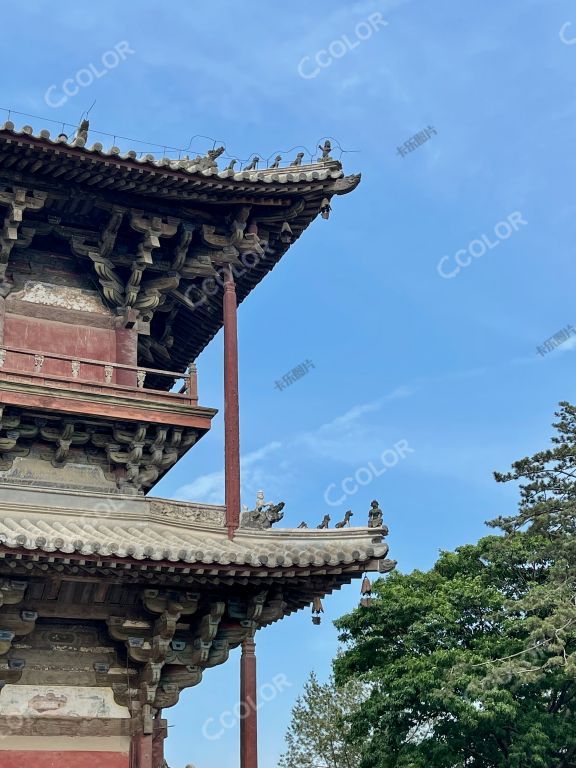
{"x":193,"y":544}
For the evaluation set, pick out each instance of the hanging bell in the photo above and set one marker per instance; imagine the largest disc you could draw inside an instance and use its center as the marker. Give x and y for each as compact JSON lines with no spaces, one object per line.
{"x":325,"y":208}
{"x":317,"y":609}
{"x":366,"y":591}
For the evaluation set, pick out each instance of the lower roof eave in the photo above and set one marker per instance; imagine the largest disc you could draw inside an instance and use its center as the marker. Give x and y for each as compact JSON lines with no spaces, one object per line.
{"x":74,"y":559}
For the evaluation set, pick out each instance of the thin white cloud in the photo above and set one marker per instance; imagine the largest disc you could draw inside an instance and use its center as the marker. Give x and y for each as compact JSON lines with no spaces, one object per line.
{"x":347,"y":438}
{"x":568,"y":345}
{"x":350,"y":438}
{"x":210,"y":488}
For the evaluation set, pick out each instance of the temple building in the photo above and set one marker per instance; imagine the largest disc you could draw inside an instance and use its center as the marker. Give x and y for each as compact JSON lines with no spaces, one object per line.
{"x":116,"y":271}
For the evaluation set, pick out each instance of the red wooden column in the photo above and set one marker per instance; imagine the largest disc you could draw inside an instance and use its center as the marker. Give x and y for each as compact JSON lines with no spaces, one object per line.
{"x":145,"y":751}
{"x":160,"y":733}
{"x":231,"y":407}
{"x":127,"y":347}
{"x":248,"y":704}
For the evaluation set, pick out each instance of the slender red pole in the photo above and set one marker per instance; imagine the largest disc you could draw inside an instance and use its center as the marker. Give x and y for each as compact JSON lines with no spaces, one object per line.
{"x":231,"y":407}
{"x":248,"y":706}
{"x":4,"y":291}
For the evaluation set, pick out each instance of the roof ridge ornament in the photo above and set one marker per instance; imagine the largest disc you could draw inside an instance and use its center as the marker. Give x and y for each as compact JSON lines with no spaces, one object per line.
{"x":326,"y":149}
{"x":375,"y":517}
{"x":81,"y":136}
{"x":264,"y":515}
{"x":253,"y":164}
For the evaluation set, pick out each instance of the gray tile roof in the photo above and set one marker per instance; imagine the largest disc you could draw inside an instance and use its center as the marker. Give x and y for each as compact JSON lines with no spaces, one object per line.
{"x":138,"y":528}
{"x":149,"y":541}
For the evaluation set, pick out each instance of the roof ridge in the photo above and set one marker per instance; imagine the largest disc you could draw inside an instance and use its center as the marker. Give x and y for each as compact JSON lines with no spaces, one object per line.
{"x":205,"y":165}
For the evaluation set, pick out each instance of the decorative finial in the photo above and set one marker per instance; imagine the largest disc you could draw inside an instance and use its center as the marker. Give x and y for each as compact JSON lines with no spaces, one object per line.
{"x":253,"y":164}
{"x":82,"y":132}
{"x":230,"y":166}
{"x":303,"y":524}
{"x":81,"y":136}
{"x":214,"y":153}
{"x":264,"y":515}
{"x":298,"y":159}
{"x":346,"y":521}
{"x":325,"y":522}
{"x":375,"y":517}
{"x":260,"y":500}
{"x":205,"y":162}
{"x":326,"y":149}
{"x":276,"y":162}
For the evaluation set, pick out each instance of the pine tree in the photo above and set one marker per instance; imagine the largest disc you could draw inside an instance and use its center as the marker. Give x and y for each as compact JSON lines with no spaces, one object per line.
{"x":472,"y":664}
{"x":319,"y":733}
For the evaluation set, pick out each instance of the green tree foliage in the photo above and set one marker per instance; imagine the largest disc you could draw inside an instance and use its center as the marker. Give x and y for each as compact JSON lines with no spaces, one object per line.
{"x":319,"y":733}
{"x":474,"y":662}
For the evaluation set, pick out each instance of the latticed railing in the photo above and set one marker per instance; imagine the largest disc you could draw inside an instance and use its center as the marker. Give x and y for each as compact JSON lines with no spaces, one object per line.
{"x":78,"y":371}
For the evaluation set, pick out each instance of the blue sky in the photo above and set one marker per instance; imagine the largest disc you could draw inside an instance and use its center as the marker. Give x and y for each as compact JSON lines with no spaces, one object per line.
{"x":400,"y":353}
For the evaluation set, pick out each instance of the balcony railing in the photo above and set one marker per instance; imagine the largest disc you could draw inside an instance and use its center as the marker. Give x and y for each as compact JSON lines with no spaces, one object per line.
{"x":81,"y":373}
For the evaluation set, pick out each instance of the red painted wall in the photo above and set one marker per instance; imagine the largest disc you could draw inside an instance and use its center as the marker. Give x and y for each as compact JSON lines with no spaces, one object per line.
{"x":23,"y":759}
{"x":50,"y":336}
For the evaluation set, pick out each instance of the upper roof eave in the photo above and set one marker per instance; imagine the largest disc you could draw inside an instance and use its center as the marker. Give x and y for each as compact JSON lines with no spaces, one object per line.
{"x":328,"y":174}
